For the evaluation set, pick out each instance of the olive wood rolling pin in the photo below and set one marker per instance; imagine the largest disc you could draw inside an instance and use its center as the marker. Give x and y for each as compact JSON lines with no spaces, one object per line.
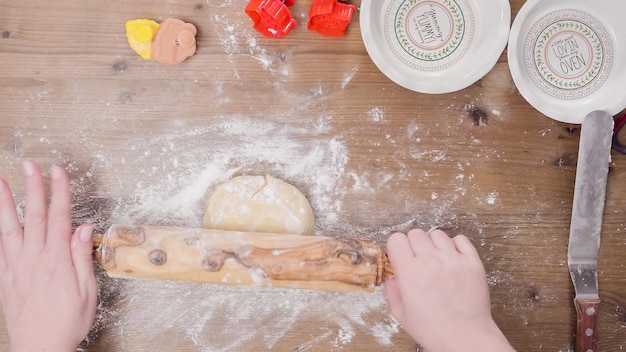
{"x":242,"y":258}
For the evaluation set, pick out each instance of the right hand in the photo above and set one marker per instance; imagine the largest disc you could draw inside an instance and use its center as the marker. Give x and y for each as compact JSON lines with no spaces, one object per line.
{"x":439,"y":293}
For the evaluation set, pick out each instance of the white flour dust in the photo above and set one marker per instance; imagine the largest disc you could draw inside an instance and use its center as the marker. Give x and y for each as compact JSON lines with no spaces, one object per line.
{"x":492,"y":198}
{"x":349,"y":75}
{"x":244,"y":315}
{"x":239,"y":40}
{"x":195,"y":160}
{"x":377,"y":114}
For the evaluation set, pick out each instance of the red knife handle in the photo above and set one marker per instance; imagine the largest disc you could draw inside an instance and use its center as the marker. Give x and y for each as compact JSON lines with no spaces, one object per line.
{"x":587,"y":324}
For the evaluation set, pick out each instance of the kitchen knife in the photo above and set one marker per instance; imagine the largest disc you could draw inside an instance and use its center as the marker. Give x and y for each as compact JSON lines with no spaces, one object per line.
{"x":594,"y":154}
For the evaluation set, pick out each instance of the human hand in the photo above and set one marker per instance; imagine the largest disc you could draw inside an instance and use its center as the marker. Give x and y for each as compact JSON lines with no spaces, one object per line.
{"x":439,"y":293}
{"x":47,"y":283}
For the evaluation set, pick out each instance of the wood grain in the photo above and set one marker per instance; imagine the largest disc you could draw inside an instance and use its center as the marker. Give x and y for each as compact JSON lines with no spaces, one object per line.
{"x":73,"y":93}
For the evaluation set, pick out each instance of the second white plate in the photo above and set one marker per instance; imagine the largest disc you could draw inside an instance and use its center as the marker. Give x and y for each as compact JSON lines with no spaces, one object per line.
{"x":567,"y":56}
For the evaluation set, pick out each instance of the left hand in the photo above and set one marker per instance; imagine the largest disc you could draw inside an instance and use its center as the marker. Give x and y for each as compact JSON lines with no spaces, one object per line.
{"x":47,"y":283}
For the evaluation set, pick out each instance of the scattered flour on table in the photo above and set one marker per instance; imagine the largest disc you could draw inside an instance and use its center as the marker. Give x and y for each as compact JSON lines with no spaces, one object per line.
{"x":238,"y":39}
{"x":187,"y":165}
{"x":349,"y":75}
{"x":376,"y":114}
{"x":245,"y":314}
{"x":492,"y":198}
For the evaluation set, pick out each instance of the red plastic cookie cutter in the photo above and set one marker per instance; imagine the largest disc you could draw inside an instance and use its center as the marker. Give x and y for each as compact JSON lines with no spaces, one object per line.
{"x":330,"y":17}
{"x":271,"y":17}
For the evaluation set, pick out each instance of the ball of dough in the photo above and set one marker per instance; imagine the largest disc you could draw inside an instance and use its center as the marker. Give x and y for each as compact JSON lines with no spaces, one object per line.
{"x":259,"y":204}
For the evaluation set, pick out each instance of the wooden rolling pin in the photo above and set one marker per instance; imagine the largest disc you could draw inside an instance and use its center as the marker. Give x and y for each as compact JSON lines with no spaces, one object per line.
{"x":242,"y":258}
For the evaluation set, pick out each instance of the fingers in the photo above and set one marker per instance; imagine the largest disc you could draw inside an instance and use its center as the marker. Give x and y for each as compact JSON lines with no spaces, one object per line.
{"x":60,"y":211}
{"x":420,"y":241}
{"x":464,"y":246}
{"x":10,"y":227}
{"x":395,"y":299}
{"x":35,"y":215}
{"x":441,"y":240}
{"x":399,"y":252}
{"x":82,"y":249}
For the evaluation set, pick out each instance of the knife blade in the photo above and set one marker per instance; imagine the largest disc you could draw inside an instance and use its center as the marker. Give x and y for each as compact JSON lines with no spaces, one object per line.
{"x":594,"y":154}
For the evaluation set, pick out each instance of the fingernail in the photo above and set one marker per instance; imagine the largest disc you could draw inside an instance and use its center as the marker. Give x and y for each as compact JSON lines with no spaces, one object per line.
{"x":86,"y":233}
{"x":56,"y":172}
{"x":29,"y":168}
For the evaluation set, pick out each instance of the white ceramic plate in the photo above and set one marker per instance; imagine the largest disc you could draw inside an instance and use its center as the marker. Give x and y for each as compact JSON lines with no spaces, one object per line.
{"x":435,"y":46}
{"x":567,"y":56}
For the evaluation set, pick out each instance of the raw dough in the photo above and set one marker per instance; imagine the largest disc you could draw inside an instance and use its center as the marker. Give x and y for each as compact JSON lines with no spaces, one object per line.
{"x":259,"y":204}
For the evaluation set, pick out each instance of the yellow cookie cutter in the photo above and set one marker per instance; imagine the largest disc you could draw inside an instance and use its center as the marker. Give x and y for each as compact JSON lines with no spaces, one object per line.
{"x":140,"y":33}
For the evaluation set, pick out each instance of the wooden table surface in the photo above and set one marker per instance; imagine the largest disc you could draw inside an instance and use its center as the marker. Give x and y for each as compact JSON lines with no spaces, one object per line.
{"x":147,"y":143}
